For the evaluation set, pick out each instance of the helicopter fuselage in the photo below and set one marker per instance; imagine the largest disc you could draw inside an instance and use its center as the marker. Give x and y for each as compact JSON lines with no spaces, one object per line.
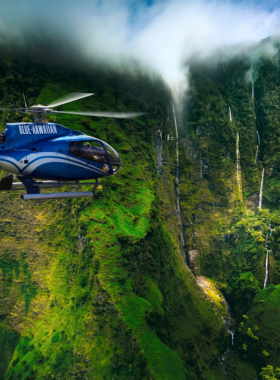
{"x":53,"y":152}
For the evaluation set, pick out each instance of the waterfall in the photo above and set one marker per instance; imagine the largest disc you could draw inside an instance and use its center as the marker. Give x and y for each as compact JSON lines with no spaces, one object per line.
{"x":177,"y":149}
{"x":227,"y":354}
{"x":261,"y":191}
{"x":267,"y":259}
{"x":259,"y":142}
{"x":225,"y":358}
{"x":257,"y":151}
{"x":182,"y":242}
{"x":24,"y":99}
{"x":159,"y":155}
{"x":232,"y":337}
{"x":238,"y":171}
{"x":230,"y":115}
{"x":266,"y":268}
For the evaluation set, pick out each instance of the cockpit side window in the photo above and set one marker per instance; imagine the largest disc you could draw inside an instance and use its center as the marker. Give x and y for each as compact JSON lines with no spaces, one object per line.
{"x":75,"y":148}
{"x":89,"y":150}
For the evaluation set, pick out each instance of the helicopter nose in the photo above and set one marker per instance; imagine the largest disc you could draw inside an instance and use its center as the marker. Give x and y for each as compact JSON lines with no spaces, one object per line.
{"x":116,"y":162}
{"x":115,"y":158}
{"x":116,"y":166}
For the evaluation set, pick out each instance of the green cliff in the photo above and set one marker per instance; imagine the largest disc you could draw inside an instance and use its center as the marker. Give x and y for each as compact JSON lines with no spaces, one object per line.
{"x":230,"y":102}
{"x":98,"y":288}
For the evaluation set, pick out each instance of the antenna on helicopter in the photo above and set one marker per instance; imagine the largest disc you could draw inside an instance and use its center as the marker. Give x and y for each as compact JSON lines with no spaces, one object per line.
{"x":41,"y":111}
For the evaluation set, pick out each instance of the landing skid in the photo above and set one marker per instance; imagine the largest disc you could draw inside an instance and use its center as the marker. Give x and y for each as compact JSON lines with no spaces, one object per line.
{"x":33,"y":188}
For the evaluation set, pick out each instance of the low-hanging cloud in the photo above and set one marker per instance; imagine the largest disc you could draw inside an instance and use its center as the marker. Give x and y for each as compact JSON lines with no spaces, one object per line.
{"x":161,"y":36}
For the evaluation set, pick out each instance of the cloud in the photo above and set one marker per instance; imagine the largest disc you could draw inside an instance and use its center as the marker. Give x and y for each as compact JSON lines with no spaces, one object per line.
{"x":161,"y":35}
{"x":184,"y":29}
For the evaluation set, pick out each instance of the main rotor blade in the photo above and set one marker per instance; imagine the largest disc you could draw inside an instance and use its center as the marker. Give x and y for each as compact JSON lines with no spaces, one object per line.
{"x":8,"y":109}
{"x":116,"y":115}
{"x":68,"y":98}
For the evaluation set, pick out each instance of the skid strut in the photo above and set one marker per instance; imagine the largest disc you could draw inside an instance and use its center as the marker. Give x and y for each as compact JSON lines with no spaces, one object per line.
{"x":33,"y":189}
{"x":71,"y":194}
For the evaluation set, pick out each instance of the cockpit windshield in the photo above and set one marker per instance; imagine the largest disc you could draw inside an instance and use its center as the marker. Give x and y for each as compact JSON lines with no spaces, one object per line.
{"x":94,"y":151}
{"x":89,"y":150}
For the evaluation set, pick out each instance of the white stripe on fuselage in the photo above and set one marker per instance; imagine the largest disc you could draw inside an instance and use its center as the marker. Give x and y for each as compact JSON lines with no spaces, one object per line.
{"x":9,"y":167}
{"x":12,"y":160}
{"x":31,"y":166}
{"x":70,"y":160}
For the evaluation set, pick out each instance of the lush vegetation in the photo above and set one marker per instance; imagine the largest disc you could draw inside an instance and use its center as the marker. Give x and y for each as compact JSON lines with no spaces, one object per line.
{"x":97,"y":289}
{"x":223,"y":226}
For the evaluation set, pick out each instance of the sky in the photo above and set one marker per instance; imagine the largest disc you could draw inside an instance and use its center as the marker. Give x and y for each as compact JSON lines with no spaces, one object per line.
{"x":159,"y":34}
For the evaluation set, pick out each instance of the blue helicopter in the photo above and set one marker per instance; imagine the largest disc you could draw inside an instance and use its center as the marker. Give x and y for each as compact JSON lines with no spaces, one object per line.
{"x":54,"y":155}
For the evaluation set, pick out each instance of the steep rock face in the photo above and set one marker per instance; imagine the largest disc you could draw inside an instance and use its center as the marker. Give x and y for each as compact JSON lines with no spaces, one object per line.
{"x":95,"y":289}
{"x":228,"y":138}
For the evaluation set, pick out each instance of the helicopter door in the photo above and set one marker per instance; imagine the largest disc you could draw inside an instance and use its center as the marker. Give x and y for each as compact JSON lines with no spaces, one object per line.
{"x":78,"y":169}
{"x":61,"y":163}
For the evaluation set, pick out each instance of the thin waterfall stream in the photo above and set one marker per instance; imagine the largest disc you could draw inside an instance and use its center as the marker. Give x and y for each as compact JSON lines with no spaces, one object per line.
{"x":231,"y":329}
{"x":261,"y":191}
{"x":24,"y":99}
{"x":266,"y":268}
{"x":159,"y":152}
{"x":226,"y":355}
{"x":259,"y":143}
{"x":267,"y":259}
{"x":232,"y":337}
{"x":177,"y":180}
{"x":257,"y":151}
{"x":230,"y":114}
{"x":238,"y":170}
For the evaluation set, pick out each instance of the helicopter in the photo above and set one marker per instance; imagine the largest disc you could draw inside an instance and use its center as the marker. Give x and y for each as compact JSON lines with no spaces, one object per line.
{"x":54,"y":155}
